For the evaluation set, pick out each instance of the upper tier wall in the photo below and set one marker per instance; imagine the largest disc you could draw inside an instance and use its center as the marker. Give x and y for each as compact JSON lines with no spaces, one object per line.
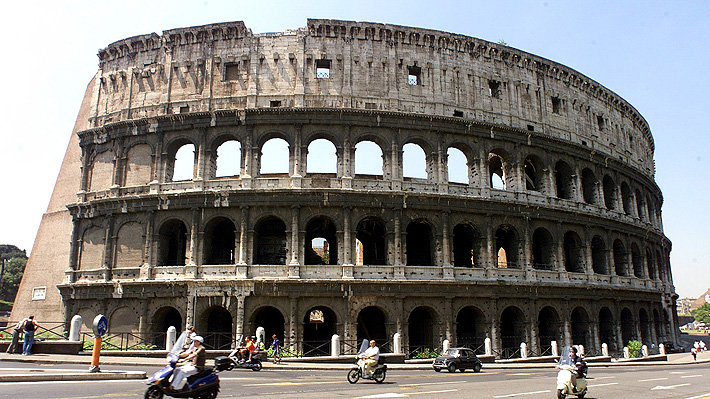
{"x":225,"y":66}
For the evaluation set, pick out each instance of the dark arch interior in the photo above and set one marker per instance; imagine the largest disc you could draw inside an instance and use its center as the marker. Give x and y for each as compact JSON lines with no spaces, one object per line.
{"x":599,"y":256}
{"x":218,"y":334}
{"x":573,"y":253}
{"x":321,"y":227}
{"x":620,"y":258}
{"x":580,"y":327}
{"x":512,"y":330}
{"x":466,"y":246}
{"x":644,"y":325}
{"x":272,"y":321}
{"x":163,"y":319}
{"x":172,"y":243}
{"x":563,"y":181}
{"x":421,"y":330}
{"x":371,"y":234}
{"x":219,"y":243}
{"x":549,"y":327}
{"x":371,"y":325}
{"x":543,"y":250}
{"x":507,"y":239}
{"x":270,"y":242}
{"x":317,"y":334}
{"x":418,"y":244}
{"x":589,"y":186}
{"x":628,"y":328}
{"x":470,"y":329}
{"x":607,"y":332}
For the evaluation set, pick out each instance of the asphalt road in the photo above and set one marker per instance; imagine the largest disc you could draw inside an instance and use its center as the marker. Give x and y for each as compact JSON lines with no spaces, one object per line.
{"x":661,"y":381}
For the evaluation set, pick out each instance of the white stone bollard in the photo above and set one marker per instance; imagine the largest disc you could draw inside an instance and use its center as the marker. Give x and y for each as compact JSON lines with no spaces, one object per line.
{"x":397,"y":343}
{"x":445,"y":345}
{"x":260,"y":336}
{"x":335,"y":345}
{"x":523,"y":350}
{"x":661,"y":349}
{"x":487,"y":345}
{"x":605,"y":350}
{"x":580,"y":349}
{"x":644,"y":350}
{"x":626,"y":353}
{"x":75,"y":329}
{"x":170,"y":338}
{"x":555,"y":351}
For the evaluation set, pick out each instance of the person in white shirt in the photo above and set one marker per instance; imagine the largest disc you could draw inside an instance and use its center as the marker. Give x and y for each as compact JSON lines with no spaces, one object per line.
{"x":369,"y":358}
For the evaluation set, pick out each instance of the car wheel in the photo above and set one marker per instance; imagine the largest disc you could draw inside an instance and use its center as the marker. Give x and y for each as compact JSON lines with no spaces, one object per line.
{"x":437,"y":369}
{"x":477,"y":368}
{"x":452,"y":368}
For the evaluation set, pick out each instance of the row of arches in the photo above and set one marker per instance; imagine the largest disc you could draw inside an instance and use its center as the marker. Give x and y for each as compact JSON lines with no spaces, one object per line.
{"x":503,"y":246}
{"x":459,"y":164}
{"x":425,"y":327}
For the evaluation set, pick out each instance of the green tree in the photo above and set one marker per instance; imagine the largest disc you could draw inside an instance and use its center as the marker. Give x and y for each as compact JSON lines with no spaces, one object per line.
{"x":702,"y":313}
{"x":14,"y":261}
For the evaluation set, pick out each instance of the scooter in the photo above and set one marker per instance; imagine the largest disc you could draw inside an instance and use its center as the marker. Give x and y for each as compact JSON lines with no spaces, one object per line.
{"x":564,"y":378}
{"x":357,"y":372}
{"x":231,"y":362}
{"x":203,"y":385}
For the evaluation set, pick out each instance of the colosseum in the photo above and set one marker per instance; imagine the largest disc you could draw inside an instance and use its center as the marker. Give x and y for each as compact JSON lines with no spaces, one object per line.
{"x":358,"y":179}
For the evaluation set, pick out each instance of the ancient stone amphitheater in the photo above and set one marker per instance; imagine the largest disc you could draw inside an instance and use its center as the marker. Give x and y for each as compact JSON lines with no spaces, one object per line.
{"x":431,"y":184}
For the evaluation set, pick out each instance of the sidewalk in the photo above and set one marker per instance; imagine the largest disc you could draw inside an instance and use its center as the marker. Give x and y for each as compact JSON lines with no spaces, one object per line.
{"x":110,"y":366}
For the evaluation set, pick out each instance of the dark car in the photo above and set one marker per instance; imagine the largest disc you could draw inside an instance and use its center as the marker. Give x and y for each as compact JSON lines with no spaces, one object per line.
{"x":457,"y":359}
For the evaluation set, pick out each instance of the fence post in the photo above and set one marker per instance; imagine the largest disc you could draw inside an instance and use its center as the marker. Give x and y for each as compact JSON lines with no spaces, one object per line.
{"x":555,"y":351}
{"x":644,"y":350}
{"x":523,"y":350}
{"x":397,"y":343}
{"x":75,"y":329}
{"x":661,"y":349}
{"x":626,"y":352}
{"x":580,"y":348}
{"x":445,"y":345}
{"x":170,"y":338}
{"x":260,"y":336}
{"x":335,"y":345}
{"x":605,"y":350}
{"x":487,"y":346}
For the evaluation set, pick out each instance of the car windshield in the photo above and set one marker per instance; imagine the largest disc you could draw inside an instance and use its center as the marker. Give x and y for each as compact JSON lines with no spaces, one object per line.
{"x":452,"y":352}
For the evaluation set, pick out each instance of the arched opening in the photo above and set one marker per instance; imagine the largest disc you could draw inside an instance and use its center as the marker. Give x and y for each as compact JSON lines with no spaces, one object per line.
{"x":533,"y":173}
{"x":322,"y":157}
{"x":658,"y":326}
{"x":163,"y":319}
{"x":640,"y":206}
{"x":272,"y":320}
{"x":274,"y":157}
{"x":620,"y":266}
{"x":421,"y":330}
{"x":183,"y":163}
{"x":319,"y":325}
{"x":512,"y":331}
{"x":589,"y":186}
{"x":497,"y":171}
{"x":371,"y":324}
{"x":626,"y":198}
{"x":371,"y":242}
{"x":419,"y":243}
{"x":650,"y":265}
{"x":321,"y":247}
{"x":543,"y":250}
{"x":660,"y":267}
{"x":550,"y":329}
{"x":607,"y":331}
{"x":564,"y":181}
{"x":457,"y":166}
{"x":649,"y":210}
{"x":599,"y":255}
{"x":507,"y":247}
{"x":467,"y":246}
{"x":471,"y":329}
{"x":270,"y":242}
{"x":219,"y":242}
{"x":368,"y":159}
{"x":609,"y":188}
{"x":580,"y":327}
{"x":228,"y":159}
{"x":628,"y":326}
{"x":414,"y":161}
{"x":644,"y":327}
{"x":172,"y":243}
{"x":218,"y":331}
{"x":573,"y":253}
{"x":636,"y":261}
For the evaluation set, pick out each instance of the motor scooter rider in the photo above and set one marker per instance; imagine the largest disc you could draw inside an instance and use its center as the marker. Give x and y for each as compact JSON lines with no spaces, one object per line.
{"x":248,"y":349}
{"x":196,"y":356}
{"x":368,"y":359}
{"x":580,"y":366}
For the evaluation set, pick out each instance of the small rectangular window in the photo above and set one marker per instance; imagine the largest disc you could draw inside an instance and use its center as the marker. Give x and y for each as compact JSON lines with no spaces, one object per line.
{"x":556,"y":105}
{"x":231,"y":71}
{"x":39,"y":293}
{"x":185,"y":109}
{"x":370,"y":105}
{"x":600,"y":122}
{"x":323,"y":69}
{"x":458,"y":113}
{"x":415,"y":75}
{"x":531,"y":128}
{"x":494,"y":88}
{"x":275,"y":104}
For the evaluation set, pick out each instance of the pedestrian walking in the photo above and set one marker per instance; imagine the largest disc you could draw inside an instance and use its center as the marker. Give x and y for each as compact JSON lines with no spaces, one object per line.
{"x":14,"y":344}
{"x":29,"y":327}
{"x":276,"y":349}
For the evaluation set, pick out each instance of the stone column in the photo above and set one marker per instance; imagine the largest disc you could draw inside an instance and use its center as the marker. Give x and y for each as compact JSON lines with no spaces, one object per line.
{"x":490,"y":246}
{"x":567,"y":332}
{"x":239,"y":317}
{"x":243,"y":235}
{"x":561,"y":250}
{"x":194,"y":242}
{"x":108,"y":249}
{"x":148,"y":254}
{"x":495,"y":332}
{"x":75,"y":247}
{"x":294,"y":269}
{"x":397,"y":237}
{"x":527,"y":253}
{"x":347,"y":240}
{"x":292,"y":322}
{"x":200,"y":156}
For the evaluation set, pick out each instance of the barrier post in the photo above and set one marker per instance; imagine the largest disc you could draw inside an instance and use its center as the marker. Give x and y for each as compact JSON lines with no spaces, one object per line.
{"x":100,"y":328}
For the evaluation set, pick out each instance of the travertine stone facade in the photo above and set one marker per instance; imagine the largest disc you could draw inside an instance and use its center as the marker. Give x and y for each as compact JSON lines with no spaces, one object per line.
{"x":555,"y":232}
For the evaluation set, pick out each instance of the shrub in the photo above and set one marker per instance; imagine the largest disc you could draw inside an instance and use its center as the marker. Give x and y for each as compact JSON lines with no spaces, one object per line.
{"x":634,"y":348}
{"x":426,"y":353}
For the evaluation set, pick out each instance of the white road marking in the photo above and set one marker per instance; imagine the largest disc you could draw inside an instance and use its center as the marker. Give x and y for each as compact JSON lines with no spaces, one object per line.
{"x":383,"y":395}
{"x":442,"y":391}
{"x":654,"y":379}
{"x":430,"y":383}
{"x":706,"y":396}
{"x":67,"y":382}
{"x":602,"y":385}
{"x":691,"y":376}
{"x":511,"y":395}
{"x":657,"y":387}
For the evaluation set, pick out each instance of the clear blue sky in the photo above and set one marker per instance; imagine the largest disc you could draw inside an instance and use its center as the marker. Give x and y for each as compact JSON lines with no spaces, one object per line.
{"x":654,"y":54}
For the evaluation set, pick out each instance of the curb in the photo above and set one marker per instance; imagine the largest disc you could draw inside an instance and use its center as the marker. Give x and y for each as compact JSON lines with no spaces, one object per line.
{"x":110,"y":375}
